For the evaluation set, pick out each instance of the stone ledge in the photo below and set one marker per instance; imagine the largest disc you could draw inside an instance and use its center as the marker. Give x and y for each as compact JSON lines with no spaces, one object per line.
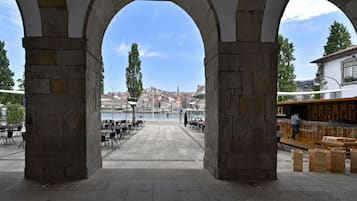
{"x":247,"y":47}
{"x":52,"y":4}
{"x":56,"y":174}
{"x":246,"y":174}
{"x":54,"y":43}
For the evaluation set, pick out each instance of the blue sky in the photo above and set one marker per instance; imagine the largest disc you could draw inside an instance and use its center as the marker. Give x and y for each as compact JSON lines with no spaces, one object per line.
{"x":171,"y":48}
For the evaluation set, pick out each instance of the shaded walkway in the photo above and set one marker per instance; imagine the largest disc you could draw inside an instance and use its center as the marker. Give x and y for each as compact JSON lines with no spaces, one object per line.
{"x":180,"y":185}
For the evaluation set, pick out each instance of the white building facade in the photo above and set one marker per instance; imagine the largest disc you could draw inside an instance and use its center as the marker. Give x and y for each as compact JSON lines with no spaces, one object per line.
{"x":339,"y":71}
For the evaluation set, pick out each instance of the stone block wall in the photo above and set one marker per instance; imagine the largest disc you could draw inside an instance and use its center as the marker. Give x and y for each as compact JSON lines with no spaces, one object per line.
{"x":56,"y":110}
{"x":244,"y":138}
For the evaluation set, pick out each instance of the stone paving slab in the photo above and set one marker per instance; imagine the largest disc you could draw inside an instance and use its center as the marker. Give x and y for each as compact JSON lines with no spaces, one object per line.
{"x":160,"y":144}
{"x":180,"y":185}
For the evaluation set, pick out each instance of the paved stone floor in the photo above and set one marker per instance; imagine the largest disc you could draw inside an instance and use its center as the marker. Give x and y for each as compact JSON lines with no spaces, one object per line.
{"x":162,"y":144}
{"x":153,"y":167}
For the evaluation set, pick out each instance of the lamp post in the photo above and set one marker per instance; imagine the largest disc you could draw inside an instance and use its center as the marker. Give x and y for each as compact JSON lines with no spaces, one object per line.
{"x":338,"y":84}
{"x":153,"y":104}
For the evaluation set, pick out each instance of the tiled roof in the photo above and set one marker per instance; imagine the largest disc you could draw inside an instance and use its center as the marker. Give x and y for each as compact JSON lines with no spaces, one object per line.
{"x":345,"y":52}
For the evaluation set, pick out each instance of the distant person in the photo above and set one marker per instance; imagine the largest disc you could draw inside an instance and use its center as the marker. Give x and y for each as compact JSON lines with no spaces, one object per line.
{"x":167,"y":115}
{"x":185,"y":119}
{"x":295,"y":120}
{"x":279,"y":134}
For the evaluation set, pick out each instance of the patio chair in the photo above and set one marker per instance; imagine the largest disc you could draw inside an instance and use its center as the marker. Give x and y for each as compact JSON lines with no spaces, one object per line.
{"x":9,"y":138}
{"x":105,"y":141}
{"x":113,"y":139}
{"x":119,"y":133}
{"x":18,"y":129}
{"x":2,"y":133}
{"x":23,"y":142}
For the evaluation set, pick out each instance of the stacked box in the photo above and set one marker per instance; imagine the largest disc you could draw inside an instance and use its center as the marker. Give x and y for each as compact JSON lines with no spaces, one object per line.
{"x":336,"y":161}
{"x":320,"y":163}
{"x":328,"y":161}
{"x":311,"y":160}
{"x":353,"y":155}
{"x":297,"y":160}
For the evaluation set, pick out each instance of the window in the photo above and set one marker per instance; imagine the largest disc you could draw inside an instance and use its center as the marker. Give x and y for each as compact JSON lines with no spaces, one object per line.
{"x":349,"y":70}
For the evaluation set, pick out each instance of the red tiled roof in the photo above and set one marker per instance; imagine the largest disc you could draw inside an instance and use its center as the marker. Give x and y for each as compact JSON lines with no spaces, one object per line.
{"x":345,"y":52}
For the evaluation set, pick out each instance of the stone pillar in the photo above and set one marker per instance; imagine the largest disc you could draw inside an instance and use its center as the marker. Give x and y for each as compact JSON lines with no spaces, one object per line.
{"x":58,"y":145}
{"x":242,"y":143}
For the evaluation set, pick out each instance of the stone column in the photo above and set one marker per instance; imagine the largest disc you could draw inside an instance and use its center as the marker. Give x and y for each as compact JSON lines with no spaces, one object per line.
{"x":242,"y":144}
{"x":57,"y":141}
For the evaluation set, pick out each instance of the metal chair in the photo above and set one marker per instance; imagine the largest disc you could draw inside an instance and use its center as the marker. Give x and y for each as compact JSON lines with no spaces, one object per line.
{"x":105,"y":141}
{"x":119,"y":133}
{"x":23,"y":142}
{"x":9,"y":136}
{"x":113,"y":139}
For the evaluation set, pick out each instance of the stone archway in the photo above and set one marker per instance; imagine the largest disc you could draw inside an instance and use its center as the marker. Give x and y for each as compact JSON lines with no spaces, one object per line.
{"x":203,"y":15}
{"x":63,"y":59}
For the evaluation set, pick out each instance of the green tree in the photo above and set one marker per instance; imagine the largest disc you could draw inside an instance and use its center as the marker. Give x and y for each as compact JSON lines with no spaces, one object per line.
{"x":19,"y":98}
{"x":316,"y":88}
{"x":15,"y":113}
{"x":134,"y":76}
{"x":286,"y":68}
{"x":6,"y":80}
{"x":338,"y":39}
{"x":21,"y":82}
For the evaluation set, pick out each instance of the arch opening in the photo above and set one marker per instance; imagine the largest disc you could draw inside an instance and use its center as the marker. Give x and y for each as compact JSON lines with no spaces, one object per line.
{"x":307,"y":26}
{"x":12,"y":105}
{"x":171,"y":53}
{"x":94,"y":32}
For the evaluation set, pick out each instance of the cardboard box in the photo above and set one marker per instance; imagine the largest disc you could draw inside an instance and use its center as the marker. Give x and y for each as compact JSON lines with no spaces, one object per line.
{"x":320,"y":162}
{"x":297,"y":160}
{"x":336,"y":161}
{"x":311,"y":160}
{"x":353,"y":155}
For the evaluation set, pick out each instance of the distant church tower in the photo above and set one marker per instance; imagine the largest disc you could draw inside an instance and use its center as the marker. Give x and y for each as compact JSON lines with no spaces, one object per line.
{"x":178,"y":97}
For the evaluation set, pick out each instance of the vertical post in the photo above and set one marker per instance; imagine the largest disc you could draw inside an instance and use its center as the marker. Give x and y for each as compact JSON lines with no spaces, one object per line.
{"x":113,"y":111}
{"x":153,"y":105}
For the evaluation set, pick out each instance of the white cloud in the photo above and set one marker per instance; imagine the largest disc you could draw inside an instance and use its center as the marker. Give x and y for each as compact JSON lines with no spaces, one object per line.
{"x":166,"y":36}
{"x":124,"y":48}
{"x":147,"y":53}
{"x":298,"y":10}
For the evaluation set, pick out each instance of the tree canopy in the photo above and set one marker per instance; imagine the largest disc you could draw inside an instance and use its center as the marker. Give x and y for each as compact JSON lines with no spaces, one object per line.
{"x":133,"y":73}
{"x":338,"y":39}
{"x":134,"y":76}
{"x":286,"y":67}
{"x":6,"y":75}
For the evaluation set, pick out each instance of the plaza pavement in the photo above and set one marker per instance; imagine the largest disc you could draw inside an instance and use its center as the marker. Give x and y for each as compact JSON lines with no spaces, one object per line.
{"x":163,"y":161}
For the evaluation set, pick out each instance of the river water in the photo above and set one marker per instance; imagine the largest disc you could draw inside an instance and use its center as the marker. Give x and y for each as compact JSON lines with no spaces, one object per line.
{"x":108,"y":115}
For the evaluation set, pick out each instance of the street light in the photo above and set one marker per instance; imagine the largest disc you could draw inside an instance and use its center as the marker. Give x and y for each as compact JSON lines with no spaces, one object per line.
{"x":153,"y":104}
{"x":338,"y":84}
